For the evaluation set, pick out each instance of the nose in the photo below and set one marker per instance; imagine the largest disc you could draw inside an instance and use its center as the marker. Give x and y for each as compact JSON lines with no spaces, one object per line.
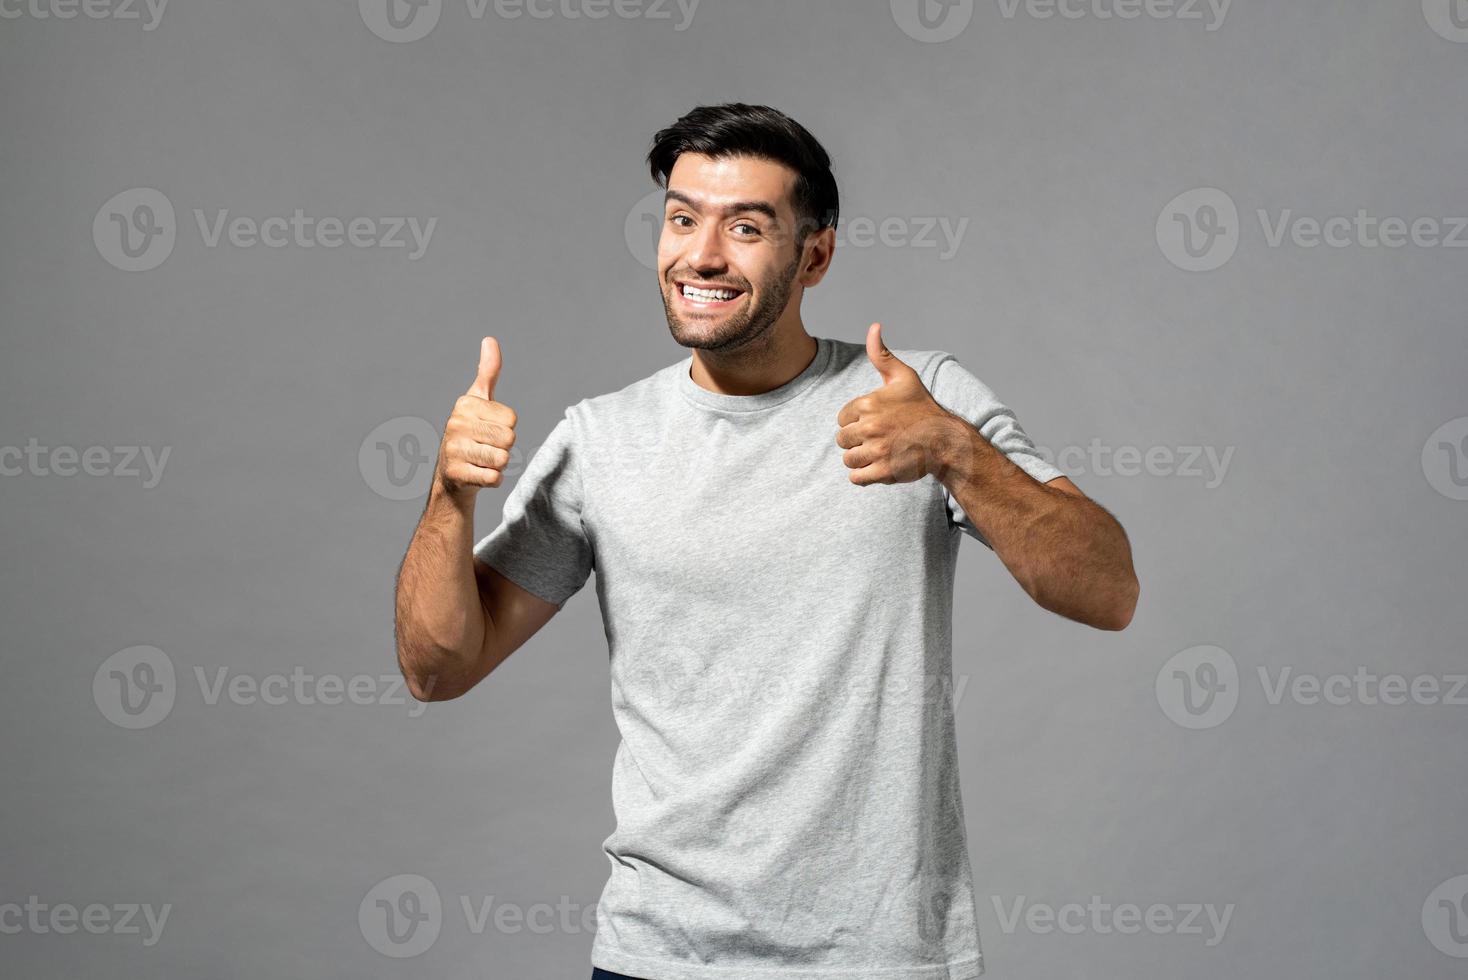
{"x":704,"y":251}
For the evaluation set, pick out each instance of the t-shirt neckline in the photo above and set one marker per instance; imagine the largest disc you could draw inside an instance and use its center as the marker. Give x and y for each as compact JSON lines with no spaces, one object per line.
{"x":718,"y":401}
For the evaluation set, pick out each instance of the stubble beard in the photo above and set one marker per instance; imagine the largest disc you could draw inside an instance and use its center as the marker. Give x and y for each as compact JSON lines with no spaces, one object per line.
{"x":739,"y":328}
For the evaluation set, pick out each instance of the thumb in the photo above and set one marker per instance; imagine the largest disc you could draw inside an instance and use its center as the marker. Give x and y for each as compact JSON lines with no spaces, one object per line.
{"x":489,"y":369}
{"x":886,"y":362}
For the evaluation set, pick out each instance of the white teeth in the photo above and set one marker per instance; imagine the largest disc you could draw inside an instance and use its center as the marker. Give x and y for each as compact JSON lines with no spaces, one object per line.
{"x":709,"y":294}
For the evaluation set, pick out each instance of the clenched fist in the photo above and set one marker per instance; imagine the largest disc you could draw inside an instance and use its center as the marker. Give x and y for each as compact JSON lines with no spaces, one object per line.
{"x":478,"y":436}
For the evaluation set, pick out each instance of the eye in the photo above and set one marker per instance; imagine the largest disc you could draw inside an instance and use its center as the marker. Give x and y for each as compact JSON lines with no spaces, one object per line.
{"x":753,"y":229}
{"x":675,"y":219}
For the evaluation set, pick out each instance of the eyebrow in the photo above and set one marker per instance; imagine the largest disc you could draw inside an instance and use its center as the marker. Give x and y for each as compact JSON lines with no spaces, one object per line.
{"x":738,"y":207}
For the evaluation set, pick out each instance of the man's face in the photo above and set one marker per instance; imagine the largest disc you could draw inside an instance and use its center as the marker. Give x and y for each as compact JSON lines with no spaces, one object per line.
{"x":728,"y":226}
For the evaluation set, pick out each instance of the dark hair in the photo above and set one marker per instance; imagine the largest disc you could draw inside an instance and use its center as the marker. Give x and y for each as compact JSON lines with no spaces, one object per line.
{"x":736,"y":129}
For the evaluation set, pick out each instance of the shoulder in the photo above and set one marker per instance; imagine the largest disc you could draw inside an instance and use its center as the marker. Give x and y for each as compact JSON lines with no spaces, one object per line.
{"x":944,"y":375}
{"x":925,"y":362}
{"x":639,"y":400}
{"x":851,"y":356}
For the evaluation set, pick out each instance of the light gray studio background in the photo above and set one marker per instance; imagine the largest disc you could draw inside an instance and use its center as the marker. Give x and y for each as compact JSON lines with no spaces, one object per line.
{"x":199,"y":705}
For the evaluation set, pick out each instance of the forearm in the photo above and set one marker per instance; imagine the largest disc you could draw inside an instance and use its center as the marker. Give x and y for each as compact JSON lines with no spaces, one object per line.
{"x":441,"y":621}
{"x":1067,"y":552}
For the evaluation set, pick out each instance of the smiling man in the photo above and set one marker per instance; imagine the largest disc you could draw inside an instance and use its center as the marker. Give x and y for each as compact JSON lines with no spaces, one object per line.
{"x":774,"y":522}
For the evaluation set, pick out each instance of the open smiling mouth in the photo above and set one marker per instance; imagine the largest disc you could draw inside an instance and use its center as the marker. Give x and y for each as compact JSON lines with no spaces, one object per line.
{"x":714,"y":298}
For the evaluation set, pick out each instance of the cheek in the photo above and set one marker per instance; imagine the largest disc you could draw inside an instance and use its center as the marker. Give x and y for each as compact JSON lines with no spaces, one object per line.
{"x":668,"y":248}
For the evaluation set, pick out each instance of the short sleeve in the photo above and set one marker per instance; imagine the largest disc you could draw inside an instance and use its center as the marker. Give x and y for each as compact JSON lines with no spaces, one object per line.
{"x":956,"y":389}
{"x":540,"y":543}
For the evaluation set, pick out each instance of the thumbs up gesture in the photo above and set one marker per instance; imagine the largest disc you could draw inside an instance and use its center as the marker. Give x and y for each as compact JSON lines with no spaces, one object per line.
{"x":478,"y":435}
{"x":892,"y":434}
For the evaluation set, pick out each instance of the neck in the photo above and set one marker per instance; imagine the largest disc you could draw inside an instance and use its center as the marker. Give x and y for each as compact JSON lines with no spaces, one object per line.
{"x":762,"y":365}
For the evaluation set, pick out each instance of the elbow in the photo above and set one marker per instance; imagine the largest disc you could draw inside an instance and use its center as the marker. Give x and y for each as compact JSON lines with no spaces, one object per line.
{"x":1113,"y":613}
{"x":1119,"y":616}
{"x":425,"y":688}
{"x":426,"y":684}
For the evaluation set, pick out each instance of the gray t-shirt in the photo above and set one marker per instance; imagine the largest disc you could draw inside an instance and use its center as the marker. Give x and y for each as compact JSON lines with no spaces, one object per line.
{"x":786,"y":788}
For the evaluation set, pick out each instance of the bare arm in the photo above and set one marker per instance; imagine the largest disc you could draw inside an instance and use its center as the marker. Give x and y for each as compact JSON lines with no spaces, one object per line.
{"x":457,"y":618}
{"x":1064,"y":549}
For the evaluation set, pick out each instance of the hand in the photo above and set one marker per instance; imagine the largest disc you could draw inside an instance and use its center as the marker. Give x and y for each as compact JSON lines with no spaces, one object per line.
{"x":478,"y":435}
{"x":892,"y":434}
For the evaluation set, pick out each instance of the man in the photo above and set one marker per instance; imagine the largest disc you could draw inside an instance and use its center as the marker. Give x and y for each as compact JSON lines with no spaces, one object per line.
{"x":774,"y":522}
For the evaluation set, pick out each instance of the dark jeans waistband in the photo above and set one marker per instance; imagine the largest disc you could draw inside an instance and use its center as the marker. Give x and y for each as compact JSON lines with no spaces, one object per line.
{"x":597,"y":973}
